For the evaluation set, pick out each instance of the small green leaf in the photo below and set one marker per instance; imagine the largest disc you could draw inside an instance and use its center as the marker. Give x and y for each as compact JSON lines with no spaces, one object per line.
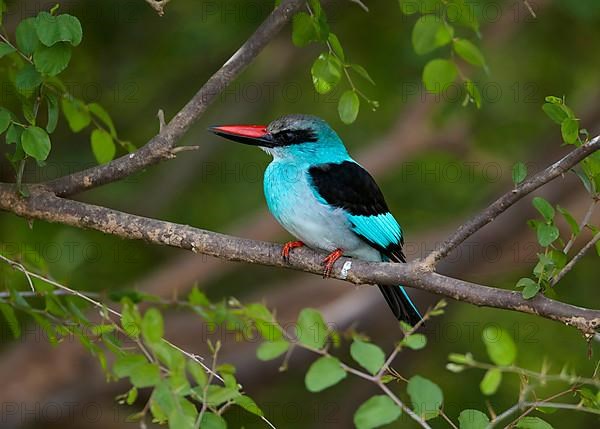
{"x":429,"y":33}
{"x":323,"y":373}
{"x":152,"y":326}
{"x":556,"y":112}
{"x":361,"y":71}
{"x":415,"y":341}
{"x":426,"y":397}
{"x":178,"y":420}
{"x":6,"y":49}
{"x":533,"y":423}
{"x":248,"y":404}
{"x":438,"y":75}
{"x":76,"y":113}
{"x":53,"y":110}
{"x":11,"y":319}
{"x":468,"y":52}
{"x":62,"y":28}
{"x":5,"y":119}
{"x":569,"y":129}
{"x":145,"y":375}
{"x":218,"y":395}
{"x":530,"y":290}
{"x":103,"y":146}
{"x":473,"y":419}
{"x":99,"y":112}
{"x":544,"y":207}
{"x":304,"y":29}
{"x":368,"y":355}
{"x":270,"y":350}
{"x":336,"y":46}
{"x":519,"y":172}
{"x":490,"y":382}
{"x":570,"y":220}
{"x":326,"y":73}
{"x":500,"y":346}
{"x":50,"y":61}
{"x":547,"y":234}
{"x":198,"y":373}
{"x":126,"y":364}
{"x":311,"y":329}
{"x":378,"y":410}
{"x":474,"y":93}
{"x":28,"y":79}
{"x":27,"y":39}
{"x":212,"y":421}
{"x":348,"y":106}
{"x":36,"y":143}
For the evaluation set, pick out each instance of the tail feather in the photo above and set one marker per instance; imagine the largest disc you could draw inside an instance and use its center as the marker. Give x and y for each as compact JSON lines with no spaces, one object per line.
{"x":401,"y":305}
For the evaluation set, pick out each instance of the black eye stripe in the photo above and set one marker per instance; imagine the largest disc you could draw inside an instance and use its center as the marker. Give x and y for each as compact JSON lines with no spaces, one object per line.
{"x":289,"y":137}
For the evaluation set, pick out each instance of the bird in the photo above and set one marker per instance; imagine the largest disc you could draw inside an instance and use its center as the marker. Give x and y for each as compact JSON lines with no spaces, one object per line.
{"x":325,"y":199}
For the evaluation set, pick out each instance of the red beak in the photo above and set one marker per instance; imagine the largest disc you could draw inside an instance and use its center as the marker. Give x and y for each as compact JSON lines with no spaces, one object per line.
{"x":256,"y":135}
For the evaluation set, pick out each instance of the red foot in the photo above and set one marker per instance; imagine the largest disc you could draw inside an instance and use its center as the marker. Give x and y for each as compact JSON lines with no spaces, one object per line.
{"x":330,"y":260}
{"x":287,"y":247}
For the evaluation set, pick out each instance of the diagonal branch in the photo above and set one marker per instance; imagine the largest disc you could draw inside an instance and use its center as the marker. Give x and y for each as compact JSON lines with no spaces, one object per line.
{"x":44,"y":205}
{"x":160,"y":147}
{"x":504,"y":202}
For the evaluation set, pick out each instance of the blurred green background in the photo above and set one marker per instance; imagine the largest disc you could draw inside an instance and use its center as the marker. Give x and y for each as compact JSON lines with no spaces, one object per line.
{"x":436,"y":162}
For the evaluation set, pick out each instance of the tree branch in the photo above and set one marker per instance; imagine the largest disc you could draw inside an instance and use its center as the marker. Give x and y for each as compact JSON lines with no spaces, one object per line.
{"x":44,"y":205}
{"x":508,"y":199}
{"x":160,"y":146}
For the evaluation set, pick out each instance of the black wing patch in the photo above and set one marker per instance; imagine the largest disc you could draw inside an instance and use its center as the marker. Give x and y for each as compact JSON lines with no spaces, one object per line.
{"x":348,"y":186}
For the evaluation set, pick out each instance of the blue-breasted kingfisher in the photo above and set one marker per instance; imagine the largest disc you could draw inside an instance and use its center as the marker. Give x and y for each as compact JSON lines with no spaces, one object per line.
{"x":325,"y":199}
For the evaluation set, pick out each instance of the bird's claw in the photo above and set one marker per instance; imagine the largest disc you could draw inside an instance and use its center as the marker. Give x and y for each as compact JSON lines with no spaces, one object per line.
{"x":287,"y":247}
{"x":329,"y":261}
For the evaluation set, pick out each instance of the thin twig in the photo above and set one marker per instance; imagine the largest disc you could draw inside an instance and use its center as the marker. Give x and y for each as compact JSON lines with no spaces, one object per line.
{"x":582,"y":225}
{"x":575,"y":259}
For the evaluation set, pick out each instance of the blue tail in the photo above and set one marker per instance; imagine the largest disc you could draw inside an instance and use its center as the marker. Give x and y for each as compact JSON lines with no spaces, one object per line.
{"x":401,"y":304}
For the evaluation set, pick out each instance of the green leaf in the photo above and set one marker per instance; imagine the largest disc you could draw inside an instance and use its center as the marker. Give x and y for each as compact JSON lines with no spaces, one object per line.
{"x":272,"y":349}
{"x":126,"y":364}
{"x":500,"y":346}
{"x":152,"y":326}
{"x":462,"y":12}
{"x":547,"y":234}
{"x":556,"y":112}
{"x":218,"y":395}
{"x":468,"y":52}
{"x":533,"y":423}
{"x":6,"y":49}
{"x":361,"y":71}
{"x":570,"y":220}
{"x":178,"y":420}
{"x":474,"y":93}
{"x":5,"y":119}
{"x":303,"y":29}
{"x":425,"y":396}
{"x":99,"y":112}
{"x":11,"y":319}
{"x":530,"y":287}
{"x":415,"y":341}
{"x":103,"y":146}
{"x":378,"y":410}
{"x":76,"y":113}
{"x":131,"y":320}
{"x":27,"y":39}
{"x":429,"y":33}
{"x":326,"y":73}
{"x":52,"y":60}
{"x":36,"y":143}
{"x":336,"y":46}
{"x":52,"y":103}
{"x":145,"y":375}
{"x":27,"y":79}
{"x":439,"y":74}
{"x":212,"y":421}
{"x":473,"y":419}
{"x":490,"y":381}
{"x":62,"y":28}
{"x":519,"y":172}
{"x":544,"y":207}
{"x":569,"y":129}
{"x":367,"y":355}
{"x":248,"y":404}
{"x":197,"y":372}
{"x":323,"y":373}
{"x":311,"y":329}
{"x":348,"y":106}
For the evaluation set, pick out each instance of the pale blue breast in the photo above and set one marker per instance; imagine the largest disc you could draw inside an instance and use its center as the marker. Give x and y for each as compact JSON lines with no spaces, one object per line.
{"x":294,"y":205}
